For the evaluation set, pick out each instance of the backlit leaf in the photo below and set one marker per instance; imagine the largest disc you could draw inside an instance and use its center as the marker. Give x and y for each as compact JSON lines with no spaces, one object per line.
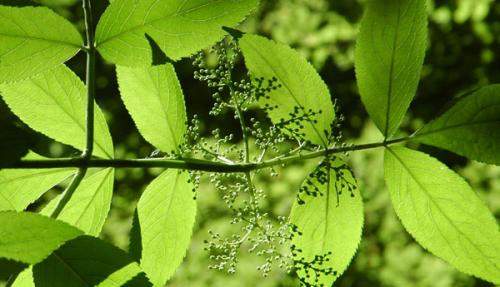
{"x":328,"y":220}
{"x":166,"y":213}
{"x":54,"y":103}
{"x":34,"y":39}
{"x":440,"y":210}
{"x":30,"y":237}
{"x":470,"y":128}
{"x":20,"y":187}
{"x":89,"y":205}
{"x":389,"y":56}
{"x":180,"y":28}
{"x":297,"y":92}
{"x":154,"y":98}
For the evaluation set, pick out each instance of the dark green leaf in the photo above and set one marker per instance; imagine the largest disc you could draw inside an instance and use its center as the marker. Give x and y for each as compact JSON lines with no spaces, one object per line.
{"x":470,"y":128}
{"x":87,"y":261}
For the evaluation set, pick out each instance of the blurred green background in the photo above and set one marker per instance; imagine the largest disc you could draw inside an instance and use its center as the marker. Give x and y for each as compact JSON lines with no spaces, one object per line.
{"x":463,"y":53}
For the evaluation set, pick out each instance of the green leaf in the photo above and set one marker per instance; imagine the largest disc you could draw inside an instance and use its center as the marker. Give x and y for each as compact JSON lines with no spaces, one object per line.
{"x":89,"y":206}
{"x":180,"y":28}
{"x":471,"y":127}
{"x":154,"y":98}
{"x":442,"y":212}
{"x":327,"y":221}
{"x":389,"y":56}
{"x":86,"y":261}
{"x":29,"y":237}
{"x":34,"y":39}
{"x":298,"y":89}
{"x":166,"y":213}
{"x":54,"y":103}
{"x":21,"y":187}
{"x":25,"y":278}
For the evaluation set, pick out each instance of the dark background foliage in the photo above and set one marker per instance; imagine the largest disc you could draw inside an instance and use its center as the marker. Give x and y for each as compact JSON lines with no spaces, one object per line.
{"x":463,"y":53}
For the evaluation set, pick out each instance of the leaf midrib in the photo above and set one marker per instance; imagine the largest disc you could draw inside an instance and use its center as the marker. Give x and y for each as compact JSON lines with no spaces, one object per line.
{"x":71,"y":269}
{"x":59,"y":42}
{"x":391,"y":72}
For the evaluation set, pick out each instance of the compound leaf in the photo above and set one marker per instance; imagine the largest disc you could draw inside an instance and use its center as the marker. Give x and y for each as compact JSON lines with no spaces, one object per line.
{"x":327,"y":221}
{"x":154,"y":98}
{"x":471,"y":127}
{"x":295,"y":96}
{"x":54,"y":103}
{"x":180,"y":28}
{"x":20,"y":187}
{"x":389,"y":56}
{"x":87,"y":261}
{"x":29,"y":237}
{"x":166,"y":214}
{"x":89,"y":206}
{"x":34,"y":39}
{"x":442,"y":212}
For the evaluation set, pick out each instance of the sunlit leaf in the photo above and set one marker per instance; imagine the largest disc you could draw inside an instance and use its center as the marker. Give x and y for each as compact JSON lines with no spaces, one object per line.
{"x":89,"y":206}
{"x":440,"y":210}
{"x":30,"y":237}
{"x":54,"y":103}
{"x":154,"y":98}
{"x":20,"y":187}
{"x":180,"y":28}
{"x":296,"y":97}
{"x":389,"y":56}
{"x":327,"y":222}
{"x":34,"y":39}
{"x":166,"y":214}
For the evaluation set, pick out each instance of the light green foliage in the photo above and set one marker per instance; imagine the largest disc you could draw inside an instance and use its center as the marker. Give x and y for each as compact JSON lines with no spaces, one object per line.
{"x":180,"y":28}
{"x":298,"y":89}
{"x":440,"y":210}
{"x":86,"y":261}
{"x":25,"y":278}
{"x":329,"y":218}
{"x":166,"y":214}
{"x":20,"y":187}
{"x":471,"y":127}
{"x":389,"y":55}
{"x":154,"y":98}
{"x":34,"y":40}
{"x":89,"y":205}
{"x":53,"y":103}
{"x":29,"y":237}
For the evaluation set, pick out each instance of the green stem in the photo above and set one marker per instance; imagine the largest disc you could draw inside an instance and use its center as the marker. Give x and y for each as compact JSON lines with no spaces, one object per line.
{"x":89,"y":116}
{"x":90,"y":79}
{"x":191,"y":164}
{"x":68,"y":193}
